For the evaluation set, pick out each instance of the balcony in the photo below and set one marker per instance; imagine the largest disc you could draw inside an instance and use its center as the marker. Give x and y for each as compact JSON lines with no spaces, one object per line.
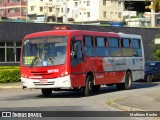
{"x":12,"y":4}
{"x":14,"y":14}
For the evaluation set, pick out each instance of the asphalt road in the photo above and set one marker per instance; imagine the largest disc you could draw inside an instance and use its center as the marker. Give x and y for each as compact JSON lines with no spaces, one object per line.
{"x":32,"y":100}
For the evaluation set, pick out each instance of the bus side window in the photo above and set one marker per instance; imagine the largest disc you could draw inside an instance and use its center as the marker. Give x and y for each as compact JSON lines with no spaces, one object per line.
{"x":136,"y":46}
{"x":76,"y":49}
{"x":77,"y":57}
{"x":88,"y":46}
{"x":126,"y":47}
{"x":101,"y":49}
{"x":114,"y":47}
{"x":79,"y":50}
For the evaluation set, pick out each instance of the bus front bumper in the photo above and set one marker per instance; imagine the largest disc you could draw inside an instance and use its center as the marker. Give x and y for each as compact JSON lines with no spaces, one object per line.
{"x":61,"y":82}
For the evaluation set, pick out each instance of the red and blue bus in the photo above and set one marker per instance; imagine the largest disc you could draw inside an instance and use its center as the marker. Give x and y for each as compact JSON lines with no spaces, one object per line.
{"x":65,"y":59}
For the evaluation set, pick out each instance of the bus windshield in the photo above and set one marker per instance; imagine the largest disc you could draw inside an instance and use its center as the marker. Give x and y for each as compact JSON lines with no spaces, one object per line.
{"x":44,"y":51}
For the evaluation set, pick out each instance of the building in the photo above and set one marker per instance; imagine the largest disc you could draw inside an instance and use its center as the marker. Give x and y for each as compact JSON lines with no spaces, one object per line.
{"x":13,"y":9}
{"x":79,"y":10}
{"x":11,"y":35}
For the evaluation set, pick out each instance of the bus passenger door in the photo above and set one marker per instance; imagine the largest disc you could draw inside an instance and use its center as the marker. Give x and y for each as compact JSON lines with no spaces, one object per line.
{"x":77,"y":63}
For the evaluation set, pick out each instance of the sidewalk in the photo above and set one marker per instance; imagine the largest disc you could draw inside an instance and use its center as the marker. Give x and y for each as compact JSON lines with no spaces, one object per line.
{"x":10,"y":85}
{"x":146,"y":101}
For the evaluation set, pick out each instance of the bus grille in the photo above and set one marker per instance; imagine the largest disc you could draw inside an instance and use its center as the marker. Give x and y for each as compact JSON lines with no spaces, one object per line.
{"x":45,"y":83}
{"x":40,"y":73}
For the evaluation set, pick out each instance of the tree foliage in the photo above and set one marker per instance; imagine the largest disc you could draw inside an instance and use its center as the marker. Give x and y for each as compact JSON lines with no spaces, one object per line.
{"x":156,"y":5}
{"x":155,"y":48}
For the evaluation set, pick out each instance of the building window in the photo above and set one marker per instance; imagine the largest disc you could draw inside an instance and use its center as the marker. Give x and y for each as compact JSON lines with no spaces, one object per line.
{"x":76,"y":4}
{"x":88,"y":3}
{"x":10,"y":51}
{"x":50,"y":9}
{"x":76,"y":16}
{"x":13,"y":10}
{"x":104,"y":2}
{"x":88,"y":14}
{"x":119,"y":15}
{"x":104,"y":13}
{"x":1,"y":11}
{"x":41,"y":9}
{"x":24,"y":0}
{"x":32,"y":8}
{"x":62,"y":10}
{"x":2,"y":55}
{"x":67,"y":10}
{"x":57,"y":10}
{"x":119,"y":4}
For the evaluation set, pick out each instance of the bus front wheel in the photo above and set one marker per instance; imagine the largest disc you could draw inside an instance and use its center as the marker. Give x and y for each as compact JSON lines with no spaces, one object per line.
{"x":46,"y":92}
{"x":128,"y":82}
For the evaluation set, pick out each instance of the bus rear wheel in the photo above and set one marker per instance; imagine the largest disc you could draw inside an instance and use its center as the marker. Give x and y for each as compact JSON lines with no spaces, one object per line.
{"x":46,"y":92}
{"x":128,"y":82}
{"x":88,"y":90}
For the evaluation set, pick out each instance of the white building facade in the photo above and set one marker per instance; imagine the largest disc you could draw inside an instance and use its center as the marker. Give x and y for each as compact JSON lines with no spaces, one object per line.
{"x":79,"y":10}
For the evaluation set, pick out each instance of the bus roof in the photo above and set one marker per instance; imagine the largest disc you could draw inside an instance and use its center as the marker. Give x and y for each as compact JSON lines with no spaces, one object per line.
{"x":122,"y":35}
{"x":70,"y":32}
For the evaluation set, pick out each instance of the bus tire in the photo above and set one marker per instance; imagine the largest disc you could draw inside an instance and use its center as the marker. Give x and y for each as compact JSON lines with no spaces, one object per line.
{"x":46,"y":92}
{"x":128,"y":82}
{"x":88,"y":90}
{"x":149,"y":78}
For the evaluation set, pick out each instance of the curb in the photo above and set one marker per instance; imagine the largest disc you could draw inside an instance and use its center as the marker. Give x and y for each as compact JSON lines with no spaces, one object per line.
{"x":113,"y":103}
{"x":8,"y":87}
{"x":127,"y":108}
{"x":131,"y":109}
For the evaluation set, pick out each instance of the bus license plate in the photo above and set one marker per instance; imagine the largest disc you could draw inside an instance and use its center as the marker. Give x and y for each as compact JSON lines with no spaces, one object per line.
{"x":43,"y":81}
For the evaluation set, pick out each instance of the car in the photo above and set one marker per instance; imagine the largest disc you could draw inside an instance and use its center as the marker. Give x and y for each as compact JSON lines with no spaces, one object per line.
{"x":152,"y":70}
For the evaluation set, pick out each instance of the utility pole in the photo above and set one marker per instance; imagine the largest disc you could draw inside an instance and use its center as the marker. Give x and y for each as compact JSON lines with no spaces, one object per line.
{"x":65,"y":12}
{"x":153,"y":4}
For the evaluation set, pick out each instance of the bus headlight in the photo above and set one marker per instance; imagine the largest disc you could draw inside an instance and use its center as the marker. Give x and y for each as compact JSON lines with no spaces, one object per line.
{"x":22,"y":75}
{"x":64,"y":73}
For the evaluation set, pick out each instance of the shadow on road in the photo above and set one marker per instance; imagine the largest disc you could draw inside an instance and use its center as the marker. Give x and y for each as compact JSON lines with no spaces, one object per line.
{"x":104,"y":89}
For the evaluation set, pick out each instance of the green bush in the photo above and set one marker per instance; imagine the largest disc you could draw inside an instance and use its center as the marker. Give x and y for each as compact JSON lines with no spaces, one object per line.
{"x":9,"y":67}
{"x":9,"y":74}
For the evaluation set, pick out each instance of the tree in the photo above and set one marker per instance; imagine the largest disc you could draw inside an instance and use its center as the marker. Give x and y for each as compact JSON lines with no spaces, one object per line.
{"x":155,"y":5}
{"x":155,"y":48}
